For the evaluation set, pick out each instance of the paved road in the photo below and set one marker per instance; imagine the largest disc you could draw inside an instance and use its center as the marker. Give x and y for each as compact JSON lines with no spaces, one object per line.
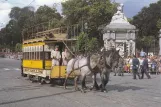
{"x":16,"y":91}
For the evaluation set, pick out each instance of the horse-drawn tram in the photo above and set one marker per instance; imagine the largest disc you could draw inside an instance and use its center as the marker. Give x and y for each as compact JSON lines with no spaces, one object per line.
{"x":37,"y":47}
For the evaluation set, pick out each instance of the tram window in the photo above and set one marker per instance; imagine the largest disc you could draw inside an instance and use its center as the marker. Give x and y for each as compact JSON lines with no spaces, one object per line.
{"x":47,"y":55}
{"x":24,"y":56}
{"x":35,"y":55}
{"x":38,"y":55}
{"x":41,"y":55}
{"x":32,"y":56}
{"x":28,"y":55}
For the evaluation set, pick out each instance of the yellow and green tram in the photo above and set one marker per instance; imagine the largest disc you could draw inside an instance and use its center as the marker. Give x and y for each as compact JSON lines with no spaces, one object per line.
{"x":36,"y":62}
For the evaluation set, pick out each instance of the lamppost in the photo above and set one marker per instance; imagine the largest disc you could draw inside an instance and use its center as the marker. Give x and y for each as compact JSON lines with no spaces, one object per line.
{"x":154,"y":46}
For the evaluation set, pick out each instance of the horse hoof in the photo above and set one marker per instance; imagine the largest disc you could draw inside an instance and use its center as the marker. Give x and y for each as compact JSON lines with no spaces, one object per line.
{"x":82,"y":91}
{"x":77,"y":89}
{"x":105,"y":91}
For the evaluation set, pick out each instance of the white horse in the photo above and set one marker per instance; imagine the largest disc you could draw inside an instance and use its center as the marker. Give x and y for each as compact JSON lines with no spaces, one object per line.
{"x":81,"y":67}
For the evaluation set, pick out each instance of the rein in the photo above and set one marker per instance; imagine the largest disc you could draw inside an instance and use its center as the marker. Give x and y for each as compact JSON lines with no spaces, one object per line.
{"x":69,"y":49}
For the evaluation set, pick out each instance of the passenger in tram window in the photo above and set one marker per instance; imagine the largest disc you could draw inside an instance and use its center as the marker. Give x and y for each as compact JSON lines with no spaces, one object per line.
{"x":65,"y":56}
{"x":55,"y":55}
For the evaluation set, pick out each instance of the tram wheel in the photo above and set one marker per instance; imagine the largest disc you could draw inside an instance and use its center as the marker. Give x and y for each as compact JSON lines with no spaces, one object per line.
{"x":24,"y":75}
{"x":42,"y":81}
{"x":52,"y":82}
{"x":62,"y":82}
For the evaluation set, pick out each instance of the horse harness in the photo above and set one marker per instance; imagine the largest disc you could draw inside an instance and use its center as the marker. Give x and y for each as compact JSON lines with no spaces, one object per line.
{"x":79,"y":67}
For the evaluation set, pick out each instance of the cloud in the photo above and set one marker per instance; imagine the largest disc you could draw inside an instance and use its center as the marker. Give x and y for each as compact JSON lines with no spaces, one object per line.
{"x":5,"y":7}
{"x":121,"y":1}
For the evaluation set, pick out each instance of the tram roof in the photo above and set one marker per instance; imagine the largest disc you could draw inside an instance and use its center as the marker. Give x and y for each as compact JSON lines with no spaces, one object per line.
{"x":48,"y":40}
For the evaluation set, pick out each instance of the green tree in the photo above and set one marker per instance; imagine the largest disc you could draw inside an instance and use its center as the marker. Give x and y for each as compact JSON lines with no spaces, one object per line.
{"x":86,"y":44}
{"x":18,"y":47}
{"x":93,"y":12}
{"x":147,"y":22}
{"x":159,"y":23}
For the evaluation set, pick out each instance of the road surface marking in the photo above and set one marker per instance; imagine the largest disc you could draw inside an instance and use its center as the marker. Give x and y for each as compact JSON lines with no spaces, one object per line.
{"x":6,"y":69}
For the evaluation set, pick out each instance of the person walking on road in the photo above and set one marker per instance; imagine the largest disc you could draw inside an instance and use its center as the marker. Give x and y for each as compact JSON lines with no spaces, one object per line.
{"x":145,"y":68}
{"x":135,"y":67}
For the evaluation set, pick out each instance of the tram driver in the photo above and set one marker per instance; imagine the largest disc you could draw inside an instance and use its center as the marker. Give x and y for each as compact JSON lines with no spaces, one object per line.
{"x":65,"y":56}
{"x":55,"y":55}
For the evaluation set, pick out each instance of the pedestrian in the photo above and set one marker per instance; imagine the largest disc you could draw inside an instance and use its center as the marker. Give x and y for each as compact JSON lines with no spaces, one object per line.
{"x":56,"y":56}
{"x":141,"y":63}
{"x":145,"y":68}
{"x":135,"y":63}
{"x":153,"y":66}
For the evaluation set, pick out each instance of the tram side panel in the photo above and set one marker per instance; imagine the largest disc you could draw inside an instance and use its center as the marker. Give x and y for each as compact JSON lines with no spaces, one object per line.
{"x":33,"y":60}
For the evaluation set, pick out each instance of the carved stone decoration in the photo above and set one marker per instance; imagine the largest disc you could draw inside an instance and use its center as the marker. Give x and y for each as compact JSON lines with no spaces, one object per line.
{"x":120,"y":46}
{"x":120,"y":34}
{"x":119,"y":16}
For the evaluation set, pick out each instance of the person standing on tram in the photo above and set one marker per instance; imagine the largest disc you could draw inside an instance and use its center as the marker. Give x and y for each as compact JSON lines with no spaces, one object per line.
{"x":55,"y":55}
{"x":65,"y":56}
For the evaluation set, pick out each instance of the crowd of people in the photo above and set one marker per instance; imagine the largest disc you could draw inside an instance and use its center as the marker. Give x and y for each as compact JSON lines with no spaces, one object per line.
{"x":142,"y":65}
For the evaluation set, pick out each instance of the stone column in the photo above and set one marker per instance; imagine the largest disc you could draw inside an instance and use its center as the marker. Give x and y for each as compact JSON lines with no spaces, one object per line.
{"x":160,"y":42}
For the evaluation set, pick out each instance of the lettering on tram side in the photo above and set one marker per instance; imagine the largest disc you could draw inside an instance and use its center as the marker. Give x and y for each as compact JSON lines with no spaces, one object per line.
{"x":33,"y":70}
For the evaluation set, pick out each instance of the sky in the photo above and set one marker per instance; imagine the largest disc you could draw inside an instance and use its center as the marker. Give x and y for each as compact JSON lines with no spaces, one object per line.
{"x":131,"y":7}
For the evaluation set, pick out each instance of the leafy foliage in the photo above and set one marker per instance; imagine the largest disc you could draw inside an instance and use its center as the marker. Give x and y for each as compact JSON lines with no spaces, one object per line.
{"x":85,"y":44}
{"x":18,"y":47}
{"x":159,"y":23}
{"x":148,"y":23}
{"x":93,"y":12}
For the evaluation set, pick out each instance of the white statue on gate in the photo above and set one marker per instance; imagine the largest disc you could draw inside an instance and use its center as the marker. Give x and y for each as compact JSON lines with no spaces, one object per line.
{"x":119,"y":16}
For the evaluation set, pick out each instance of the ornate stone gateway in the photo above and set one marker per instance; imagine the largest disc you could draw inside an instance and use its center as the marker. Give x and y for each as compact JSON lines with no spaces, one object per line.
{"x":120,"y":34}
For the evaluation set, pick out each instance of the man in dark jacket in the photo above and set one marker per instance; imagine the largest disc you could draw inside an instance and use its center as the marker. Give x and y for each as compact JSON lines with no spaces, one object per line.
{"x":145,"y":68}
{"x":135,"y":66}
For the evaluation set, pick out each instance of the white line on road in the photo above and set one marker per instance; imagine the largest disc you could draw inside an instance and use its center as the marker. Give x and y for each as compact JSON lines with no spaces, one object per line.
{"x":6,"y":69}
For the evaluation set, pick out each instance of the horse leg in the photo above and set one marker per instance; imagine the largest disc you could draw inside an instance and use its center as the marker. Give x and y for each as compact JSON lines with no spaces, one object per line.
{"x":65,"y":82}
{"x":102,"y":83}
{"x":122,"y":72}
{"x":82,"y":83}
{"x":95,"y":85}
{"x":115,"y":71}
{"x":75,"y":83}
{"x":104,"y":80}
